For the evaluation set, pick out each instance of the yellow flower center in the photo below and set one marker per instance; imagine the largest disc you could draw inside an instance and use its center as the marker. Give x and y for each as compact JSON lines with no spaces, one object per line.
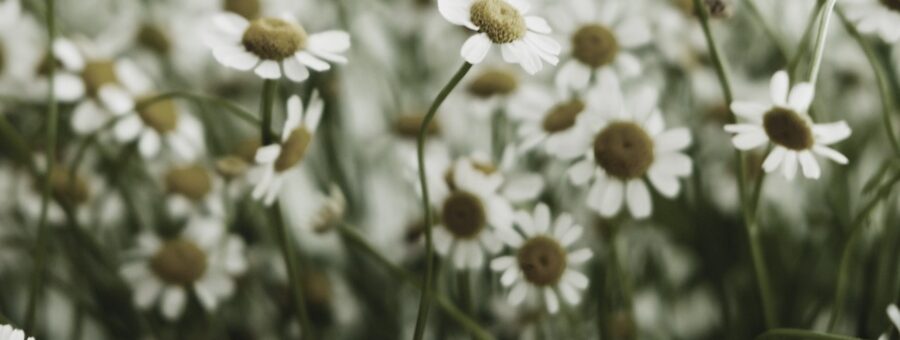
{"x":594,"y":45}
{"x":249,"y":9}
{"x":293,"y":149}
{"x":787,"y":128}
{"x":161,"y":115}
{"x":68,"y":190}
{"x":463,"y":215}
{"x":273,"y":38}
{"x":493,"y":82}
{"x":97,"y":73}
{"x":179,"y":262}
{"x":192,"y":181}
{"x":246,"y":149}
{"x":231,"y":166}
{"x":623,"y":150}
{"x":562,"y":116}
{"x":154,"y":39}
{"x":499,"y":20}
{"x":542,"y":260}
{"x":892,"y":4}
{"x":408,"y":126}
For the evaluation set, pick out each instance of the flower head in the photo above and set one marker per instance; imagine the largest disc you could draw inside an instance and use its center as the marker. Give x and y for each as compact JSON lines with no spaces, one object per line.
{"x":522,"y":38}
{"x":787,"y":125}
{"x":881,"y":17}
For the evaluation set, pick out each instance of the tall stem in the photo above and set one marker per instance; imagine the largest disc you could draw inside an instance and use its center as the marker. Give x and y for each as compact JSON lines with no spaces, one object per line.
{"x":821,"y":37}
{"x":425,"y":299}
{"x":749,"y":220}
{"x":289,"y":254}
{"x":265,"y":109}
{"x":40,"y":257}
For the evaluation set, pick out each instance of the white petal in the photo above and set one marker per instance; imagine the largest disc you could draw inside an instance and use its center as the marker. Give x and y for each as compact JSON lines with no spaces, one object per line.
{"x":131,"y":76}
{"x":572,"y":75}
{"x":831,"y":154}
{"x":525,"y":222}
{"x":551,"y":300}
{"x":314,"y":111}
{"x":638,"y":198}
{"x":749,"y":140}
{"x":562,"y":224}
{"x":501,"y":213}
{"x":831,"y":133}
{"x":510,"y":237}
{"x":459,"y":255}
{"x":127,"y":129}
{"x":569,"y":293}
{"x":538,"y":24}
{"x":149,"y":144}
{"x":580,"y":256}
{"x":789,"y":165}
{"x":173,"y":302}
{"x":116,"y":99}
{"x":503,"y":263}
{"x":667,"y":184}
{"x":442,"y":240}
{"x":673,"y":163}
{"x":571,"y":235}
{"x":774,"y":159}
{"x":88,"y":117}
{"x":576,"y":278}
{"x":68,"y":54}
{"x":518,"y":293}
{"x":236,"y":57}
{"x":206,"y":297}
{"x":743,"y":128}
{"x":581,"y":172}
{"x":809,"y":165}
{"x":268,"y":153}
{"x":672,"y":140}
{"x":801,"y":97}
{"x":523,"y":187}
{"x":476,"y":48}
{"x":612,"y":199}
{"x":778,"y":88}
{"x":146,"y":291}
{"x":457,"y":12}
{"x":894,"y":314}
{"x":541,"y":218}
{"x":294,"y":70}
{"x":268,"y":69}
{"x":329,"y":43}
{"x":230,"y":23}
{"x":476,"y":256}
{"x":68,"y":87}
{"x":294,"y":115}
{"x":633,"y":31}
{"x":312,"y":62}
{"x":751,"y":111}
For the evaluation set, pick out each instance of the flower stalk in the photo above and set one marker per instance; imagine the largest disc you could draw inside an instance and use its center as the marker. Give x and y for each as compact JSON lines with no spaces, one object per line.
{"x":427,"y":281}
{"x":821,"y":37}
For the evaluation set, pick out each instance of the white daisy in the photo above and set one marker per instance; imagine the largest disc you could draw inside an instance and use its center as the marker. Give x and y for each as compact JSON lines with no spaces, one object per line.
{"x":274,"y":159}
{"x":161,"y":125}
{"x":470,"y":212}
{"x":603,"y":36}
{"x":8,"y":332}
{"x":628,"y":144}
{"x":489,"y":91}
{"x":880,"y":17}
{"x":273,"y":47}
{"x":522,"y":39}
{"x":203,"y":259}
{"x":543,"y":263}
{"x":893,"y":313}
{"x":20,"y":46}
{"x":192,"y":188}
{"x":549,"y":119}
{"x":786,"y":123}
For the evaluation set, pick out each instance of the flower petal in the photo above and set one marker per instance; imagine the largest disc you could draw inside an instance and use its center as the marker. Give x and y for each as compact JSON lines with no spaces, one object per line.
{"x":476,"y":48}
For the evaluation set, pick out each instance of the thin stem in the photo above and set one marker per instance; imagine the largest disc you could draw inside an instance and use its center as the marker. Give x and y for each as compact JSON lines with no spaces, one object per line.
{"x":425,"y":299}
{"x":804,"y":40}
{"x":15,"y":144}
{"x":788,"y":333}
{"x":855,"y":230}
{"x":463,"y":280}
{"x":265,"y":109}
{"x":353,"y":237}
{"x":821,"y":37}
{"x":883,"y":83}
{"x":777,"y":40}
{"x":52,"y":127}
{"x":289,"y":254}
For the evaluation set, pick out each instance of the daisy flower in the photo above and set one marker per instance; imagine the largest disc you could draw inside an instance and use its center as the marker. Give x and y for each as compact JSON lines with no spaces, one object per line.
{"x":523,"y":39}
{"x":628,"y":144}
{"x":470,"y":212}
{"x":273,"y":47}
{"x":203,"y":259}
{"x":603,"y":36}
{"x":880,"y":17}
{"x":275,"y":159}
{"x":160,"y":125}
{"x":489,"y":91}
{"x":786,"y":124}
{"x":7,"y":332}
{"x":193,"y":188}
{"x":543,"y":262}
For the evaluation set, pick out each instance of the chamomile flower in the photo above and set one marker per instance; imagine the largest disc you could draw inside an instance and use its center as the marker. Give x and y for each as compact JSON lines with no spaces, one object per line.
{"x":203,"y":259}
{"x":8,"y":332}
{"x":274,"y":159}
{"x":523,"y":39}
{"x":603,"y":36}
{"x":543,"y":262}
{"x":469,"y":214}
{"x":786,"y":124}
{"x":880,"y":17}
{"x":273,"y":47}
{"x":193,"y":188}
{"x":161,"y":125}
{"x":629,"y":144}
{"x":550,"y":120}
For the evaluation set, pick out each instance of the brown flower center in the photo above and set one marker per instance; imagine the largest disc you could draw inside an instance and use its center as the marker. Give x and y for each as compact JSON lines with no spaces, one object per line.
{"x":246,"y":149}
{"x":408,"y":126}
{"x":463,"y":215}
{"x":179,"y":262}
{"x":892,"y":4}
{"x":787,"y":128}
{"x":493,"y":82}
{"x":562,"y":116}
{"x":542,"y":260}
{"x":161,"y":115}
{"x":293,"y":149}
{"x":97,"y":73}
{"x":68,"y":190}
{"x":594,"y":45}
{"x":499,"y":20}
{"x":192,"y":181}
{"x":623,"y":150}
{"x":274,"y":39}
{"x":249,"y":9}
{"x":231,"y":166}
{"x":153,"y":38}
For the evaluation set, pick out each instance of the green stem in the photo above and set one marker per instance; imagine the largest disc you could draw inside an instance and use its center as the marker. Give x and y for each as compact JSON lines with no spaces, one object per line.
{"x":52,"y":127}
{"x":425,"y":299}
{"x":463,"y":280}
{"x":15,"y":145}
{"x":353,"y":237}
{"x":265,"y":109}
{"x":779,"y":43}
{"x":289,"y":254}
{"x":883,"y":82}
{"x":804,"y":40}
{"x":821,"y":37}
{"x":787,"y":333}
{"x":855,"y":230}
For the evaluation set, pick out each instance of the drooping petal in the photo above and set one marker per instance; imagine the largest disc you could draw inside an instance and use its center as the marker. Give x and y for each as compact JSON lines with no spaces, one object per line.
{"x":809,"y":165}
{"x":638,"y":198}
{"x":294,"y":70}
{"x":476,"y":48}
{"x":774,"y":159}
{"x":831,"y":154}
{"x":268,"y":69}
{"x":613,"y":197}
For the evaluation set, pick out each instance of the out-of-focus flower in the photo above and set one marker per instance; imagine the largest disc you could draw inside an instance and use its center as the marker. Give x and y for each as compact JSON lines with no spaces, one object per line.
{"x":273,"y":47}
{"x":542,"y":262}
{"x":522,"y":39}
{"x":7,"y":332}
{"x":193,"y":188}
{"x":273,"y":160}
{"x":203,"y":259}
{"x":628,"y":143}
{"x":161,"y":125}
{"x":551,"y":120}
{"x":880,"y":17}
{"x":787,"y":125}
